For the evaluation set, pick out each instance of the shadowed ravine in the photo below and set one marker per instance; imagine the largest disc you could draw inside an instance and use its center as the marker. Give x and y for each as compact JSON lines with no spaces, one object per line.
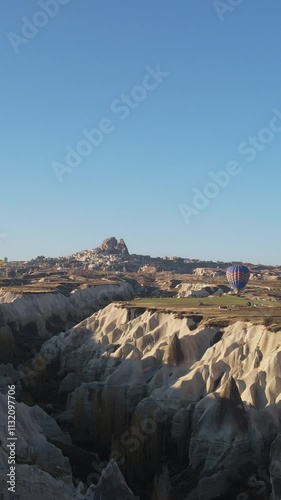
{"x":181,"y":409}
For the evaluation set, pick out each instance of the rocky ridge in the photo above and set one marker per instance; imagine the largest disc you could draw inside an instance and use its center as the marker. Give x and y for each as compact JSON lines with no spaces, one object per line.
{"x":26,"y":319}
{"x":113,"y":255}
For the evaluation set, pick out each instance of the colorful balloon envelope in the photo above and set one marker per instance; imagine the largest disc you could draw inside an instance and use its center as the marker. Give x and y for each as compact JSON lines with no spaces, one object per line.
{"x":238,"y":277}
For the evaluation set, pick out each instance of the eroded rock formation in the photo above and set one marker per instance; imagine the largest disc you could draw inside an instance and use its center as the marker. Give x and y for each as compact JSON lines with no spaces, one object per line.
{"x":149,"y":388}
{"x":27,"y":319}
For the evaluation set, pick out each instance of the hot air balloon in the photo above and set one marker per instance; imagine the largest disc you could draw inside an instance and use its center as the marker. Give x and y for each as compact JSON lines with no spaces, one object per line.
{"x":238,"y":277}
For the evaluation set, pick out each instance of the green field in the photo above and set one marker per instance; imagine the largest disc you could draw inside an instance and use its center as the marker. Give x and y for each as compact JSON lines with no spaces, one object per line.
{"x":217,"y":311}
{"x":228,"y":300}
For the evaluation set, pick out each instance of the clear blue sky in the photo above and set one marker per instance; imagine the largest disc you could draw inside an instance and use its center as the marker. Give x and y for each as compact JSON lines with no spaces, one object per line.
{"x":224,"y":80}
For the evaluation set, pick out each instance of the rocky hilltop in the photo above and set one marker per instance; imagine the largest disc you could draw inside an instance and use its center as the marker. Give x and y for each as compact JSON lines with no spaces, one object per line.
{"x":109,"y":248}
{"x":113,"y":255}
